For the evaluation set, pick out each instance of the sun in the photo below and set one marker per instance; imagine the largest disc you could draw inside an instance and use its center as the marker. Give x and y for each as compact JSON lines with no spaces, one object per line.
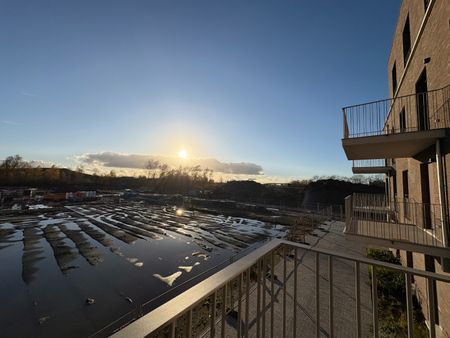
{"x":182,"y":153}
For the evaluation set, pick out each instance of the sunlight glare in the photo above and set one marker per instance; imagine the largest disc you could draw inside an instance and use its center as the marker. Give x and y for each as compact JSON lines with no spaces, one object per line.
{"x":182,"y":153}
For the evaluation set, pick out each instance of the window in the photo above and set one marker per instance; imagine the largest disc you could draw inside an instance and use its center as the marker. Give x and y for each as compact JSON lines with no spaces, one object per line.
{"x":405,"y":183}
{"x":394,"y":183}
{"x":402,"y":118}
{"x":406,"y":204}
{"x":406,"y":40}
{"x":394,"y":79}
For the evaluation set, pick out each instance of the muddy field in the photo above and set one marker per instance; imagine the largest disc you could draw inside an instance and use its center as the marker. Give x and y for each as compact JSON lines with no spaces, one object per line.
{"x":78,"y":269}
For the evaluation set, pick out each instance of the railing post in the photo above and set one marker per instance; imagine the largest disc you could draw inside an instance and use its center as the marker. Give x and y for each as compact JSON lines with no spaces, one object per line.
{"x":239,"y":316}
{"x":295,"y":292}
{"x":317,"y":296}
{"x":189,"y":324}
{"x":409,"y":305}
{"x":224,"y":310}
{"x":331,"y":301}
{"x":212,"y":331}
{"x":432,"y":307}
{"x":258,"y":298}
{"x":272,"y":291}
{"x":358,"y":300}
{"x":345,"y":124}
{"x":442,"y":201}
{"x":247,"y":301}
{"x":374,"y":301}
{"x":348,"y":214}
{"x":284,"y":291}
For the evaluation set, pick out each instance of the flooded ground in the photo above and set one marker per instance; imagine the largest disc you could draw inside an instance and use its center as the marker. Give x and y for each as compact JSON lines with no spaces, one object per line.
{"x":75,"y":271}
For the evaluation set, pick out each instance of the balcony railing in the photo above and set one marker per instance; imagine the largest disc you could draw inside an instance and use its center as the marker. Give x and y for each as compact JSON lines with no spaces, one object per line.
{"x":285,"y":289}
{"x":372,"y":166}
{"x":415,"y":112}
{"x":378,"y":216}
{"x":373,"y":163}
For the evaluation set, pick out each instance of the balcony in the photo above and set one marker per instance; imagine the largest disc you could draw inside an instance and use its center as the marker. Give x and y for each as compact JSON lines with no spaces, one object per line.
{"x":396,"y":128}
{"x":375,"y":166}
{"x":285,"y":289}
{"x":403,"y":224}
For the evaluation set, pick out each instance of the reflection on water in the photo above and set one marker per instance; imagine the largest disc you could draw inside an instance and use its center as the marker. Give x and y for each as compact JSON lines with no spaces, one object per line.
{"x":75,"y":272}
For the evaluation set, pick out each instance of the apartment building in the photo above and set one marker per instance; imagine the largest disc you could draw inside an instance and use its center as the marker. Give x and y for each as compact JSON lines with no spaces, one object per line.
{"x":407,"y":138}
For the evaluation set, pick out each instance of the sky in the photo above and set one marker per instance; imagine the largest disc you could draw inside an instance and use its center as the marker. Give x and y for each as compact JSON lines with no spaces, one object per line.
{"x":251,"y":88}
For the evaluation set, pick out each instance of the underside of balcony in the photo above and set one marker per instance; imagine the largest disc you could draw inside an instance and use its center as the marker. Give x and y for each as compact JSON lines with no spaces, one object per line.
{"x":391,"y":145}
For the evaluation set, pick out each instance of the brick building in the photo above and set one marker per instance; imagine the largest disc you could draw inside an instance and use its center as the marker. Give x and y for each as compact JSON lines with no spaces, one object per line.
{"x":407,"y":138}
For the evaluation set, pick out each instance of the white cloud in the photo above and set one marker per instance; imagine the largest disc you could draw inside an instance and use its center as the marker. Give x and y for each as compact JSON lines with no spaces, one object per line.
{"x":135,"y":161}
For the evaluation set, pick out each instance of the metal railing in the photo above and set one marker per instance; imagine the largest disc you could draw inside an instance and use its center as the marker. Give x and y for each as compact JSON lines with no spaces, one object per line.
{"x":311,"y":216}
{"x":372,"y":163}
{"x":286,"y":289}
{"x":375,"y":215}
{"x":415,"y":112}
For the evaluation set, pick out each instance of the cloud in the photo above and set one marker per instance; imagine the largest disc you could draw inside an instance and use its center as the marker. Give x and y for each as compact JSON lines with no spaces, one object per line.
{"x":11,"y":123}
{"x":135,"y":161}
{"x":28,"y":94}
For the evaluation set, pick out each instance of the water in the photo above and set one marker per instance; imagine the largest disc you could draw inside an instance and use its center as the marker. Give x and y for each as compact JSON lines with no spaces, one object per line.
{"x":118,"y":255}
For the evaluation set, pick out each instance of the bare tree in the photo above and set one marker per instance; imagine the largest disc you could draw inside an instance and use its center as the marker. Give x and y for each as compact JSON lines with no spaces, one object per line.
{"x":152,"y":166}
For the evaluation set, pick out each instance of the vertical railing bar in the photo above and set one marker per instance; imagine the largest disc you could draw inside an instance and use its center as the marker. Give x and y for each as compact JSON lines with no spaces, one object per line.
{"x":272,"y":291}
{"x":172,"y":329}
{"x":409,"y":305}
{"x":239,"y":316}
{"x":263,"y":331}
{"x":212,"y":331}
{"x":317,"y":296}
{"x":374,"y":302}
{"x":295,"y":291}
{"x":258,"y":299}
{"x":224,"y":310}
{"x":284,"y":291}
{"x":247,"y":301}
{"x":432,"y":307}
{"x":331,"y":301}
{"x":189,"y":324}
{"x":358,"y":300}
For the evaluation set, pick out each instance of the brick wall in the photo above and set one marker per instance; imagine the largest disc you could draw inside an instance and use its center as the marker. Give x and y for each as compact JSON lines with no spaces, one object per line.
{"x":434,"y":43}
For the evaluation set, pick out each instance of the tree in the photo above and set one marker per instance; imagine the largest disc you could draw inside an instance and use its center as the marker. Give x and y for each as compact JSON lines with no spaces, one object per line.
{"x":14,"y":162}
{"x":152,"y":166}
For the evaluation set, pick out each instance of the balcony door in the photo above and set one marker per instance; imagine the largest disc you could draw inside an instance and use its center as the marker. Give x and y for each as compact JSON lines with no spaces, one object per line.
{"x":422,"y":101}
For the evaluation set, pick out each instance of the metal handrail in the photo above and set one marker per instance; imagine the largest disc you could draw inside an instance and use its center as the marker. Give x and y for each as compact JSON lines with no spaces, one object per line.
{"x":408,"y":113}
{"x":400,"y":219}
{"x":183,"y":309}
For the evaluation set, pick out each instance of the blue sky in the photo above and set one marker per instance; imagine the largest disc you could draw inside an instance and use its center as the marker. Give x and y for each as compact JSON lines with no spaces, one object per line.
{"x":261,"y":82}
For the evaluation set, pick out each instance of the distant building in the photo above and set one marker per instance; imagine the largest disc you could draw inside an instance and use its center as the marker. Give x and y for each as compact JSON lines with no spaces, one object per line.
{"x":407,"y":138}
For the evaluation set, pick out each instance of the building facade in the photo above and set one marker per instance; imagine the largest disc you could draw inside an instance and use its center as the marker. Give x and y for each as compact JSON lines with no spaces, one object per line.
{"x":407,"y":138}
